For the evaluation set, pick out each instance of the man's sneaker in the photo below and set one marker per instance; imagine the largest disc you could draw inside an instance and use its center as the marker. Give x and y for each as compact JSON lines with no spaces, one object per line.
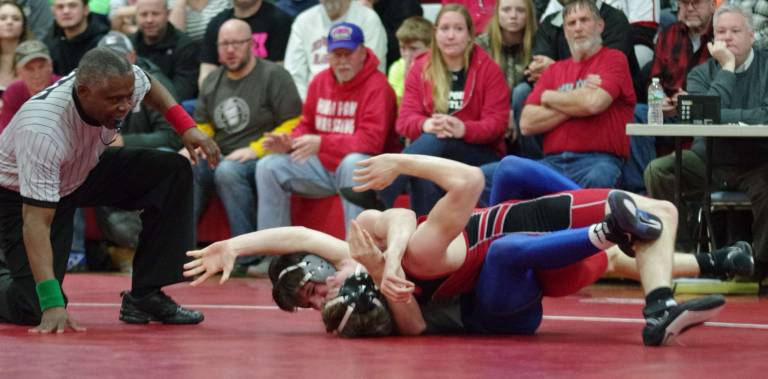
{"x":739,"y":261}
{"x":627,"y":224}
{"x":366,"y":199}
{"x":664,"y":322}
{"x":156,"y":306}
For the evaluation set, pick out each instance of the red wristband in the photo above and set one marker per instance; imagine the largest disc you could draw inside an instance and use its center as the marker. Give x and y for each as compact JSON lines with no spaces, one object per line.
{"x":179,"y":119}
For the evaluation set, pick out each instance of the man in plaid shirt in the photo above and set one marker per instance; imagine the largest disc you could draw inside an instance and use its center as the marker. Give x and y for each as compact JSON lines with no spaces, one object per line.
{"x":680,"y":48}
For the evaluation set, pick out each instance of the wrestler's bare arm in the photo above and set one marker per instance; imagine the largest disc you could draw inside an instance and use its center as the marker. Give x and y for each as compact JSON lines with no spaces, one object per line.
{"x":221,"y":255}
{"x":398,"y":291}
{"x":428,"y":247}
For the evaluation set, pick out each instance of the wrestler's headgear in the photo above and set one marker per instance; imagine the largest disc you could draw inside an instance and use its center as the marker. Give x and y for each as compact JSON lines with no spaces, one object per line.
{"x":289,"y":273}
{"x":315,"y":269}
{"x":363,"y":306}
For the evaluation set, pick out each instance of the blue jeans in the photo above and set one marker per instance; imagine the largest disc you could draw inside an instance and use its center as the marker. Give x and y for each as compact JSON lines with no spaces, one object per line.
{"x":424,"y":193}
{"x":234,"y":183}
{"x":278,"y":176}
{"x":588,"y":170}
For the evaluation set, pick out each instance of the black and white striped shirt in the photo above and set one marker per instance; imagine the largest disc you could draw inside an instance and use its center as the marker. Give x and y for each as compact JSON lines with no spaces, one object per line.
{"x":47,"y":150}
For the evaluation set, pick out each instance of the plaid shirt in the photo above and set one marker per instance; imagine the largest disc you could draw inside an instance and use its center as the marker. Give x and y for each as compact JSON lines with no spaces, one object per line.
{"x":674,"y":56}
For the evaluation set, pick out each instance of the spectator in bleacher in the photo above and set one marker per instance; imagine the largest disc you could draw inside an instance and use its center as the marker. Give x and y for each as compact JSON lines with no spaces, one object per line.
{"x":679,"y":49}
{"x":643,"y":17}
{"x":348,"y":116}
{"x":392,"y":14}
{"x":270,"y":29}
{"x":739,"y":75}
{"x":239,"y":102}
{"x":582,"y":104}
{"x":122,"y":16}
{"x":35,"y":71}
{"x":480,"y":10}
{"x":508,"y":39}
{"x":306,"y":55}
{"x":759,"y":10}
{"x":76,"y":31}
{"x":456,"y":106}
{"x":294,"y":7}
{"x":414,"y":37}
{"x":192,"y":16}
{"x":38,"y":15}
{"x":142,"y":127}
{"x":168,"y":48}
{"x":550,"y":45}
{"x":13,"y":31}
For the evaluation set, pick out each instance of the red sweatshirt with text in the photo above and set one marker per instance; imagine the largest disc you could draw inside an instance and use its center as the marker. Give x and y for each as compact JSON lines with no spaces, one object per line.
{"x":485,"y":111}
{"x":353,"y":117}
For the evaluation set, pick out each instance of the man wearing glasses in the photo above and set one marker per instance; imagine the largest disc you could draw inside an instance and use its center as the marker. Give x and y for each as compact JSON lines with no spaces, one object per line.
{"x":239,"y":102}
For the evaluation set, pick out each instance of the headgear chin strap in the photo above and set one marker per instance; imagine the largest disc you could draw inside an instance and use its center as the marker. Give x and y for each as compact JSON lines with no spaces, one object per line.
{"x":315,"y":269}
{"x":359,"y":292}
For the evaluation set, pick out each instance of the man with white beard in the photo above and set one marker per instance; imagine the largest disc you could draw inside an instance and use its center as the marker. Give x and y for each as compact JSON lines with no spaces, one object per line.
{"x":306,"y":54}
{"x":582,"y":104}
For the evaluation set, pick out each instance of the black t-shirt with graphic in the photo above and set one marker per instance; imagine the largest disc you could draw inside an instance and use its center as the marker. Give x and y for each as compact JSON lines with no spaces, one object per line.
{"x":270,"y":26}
{"x":456,"y":95}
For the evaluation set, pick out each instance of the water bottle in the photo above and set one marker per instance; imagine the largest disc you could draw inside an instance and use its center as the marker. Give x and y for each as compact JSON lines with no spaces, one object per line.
{"x":655,"y":102}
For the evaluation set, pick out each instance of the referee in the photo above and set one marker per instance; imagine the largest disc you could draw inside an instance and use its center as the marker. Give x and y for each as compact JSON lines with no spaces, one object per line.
{"x":54,"y":159}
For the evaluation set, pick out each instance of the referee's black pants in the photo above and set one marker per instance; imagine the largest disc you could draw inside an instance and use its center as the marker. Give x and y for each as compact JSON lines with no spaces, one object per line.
{"x":157,"y":182}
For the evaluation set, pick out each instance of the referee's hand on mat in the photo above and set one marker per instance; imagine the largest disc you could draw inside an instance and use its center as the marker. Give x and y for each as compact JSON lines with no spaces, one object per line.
{"x":56,"y":320}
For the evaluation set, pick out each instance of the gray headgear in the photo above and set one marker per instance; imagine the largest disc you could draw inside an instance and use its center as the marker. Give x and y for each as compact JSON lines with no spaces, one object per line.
{"x":315,"y":269}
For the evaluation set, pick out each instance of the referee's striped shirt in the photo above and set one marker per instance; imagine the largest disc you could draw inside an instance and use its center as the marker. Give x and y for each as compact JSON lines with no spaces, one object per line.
{"x":47,"y":150}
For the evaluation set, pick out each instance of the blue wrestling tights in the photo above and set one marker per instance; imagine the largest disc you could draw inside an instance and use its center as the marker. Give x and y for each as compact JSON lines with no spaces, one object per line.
{"x":507,"y":296}
{"x":519,"y":178}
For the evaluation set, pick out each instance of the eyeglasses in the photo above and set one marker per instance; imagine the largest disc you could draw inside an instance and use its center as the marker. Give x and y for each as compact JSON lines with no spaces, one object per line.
{"x":226,"y":44}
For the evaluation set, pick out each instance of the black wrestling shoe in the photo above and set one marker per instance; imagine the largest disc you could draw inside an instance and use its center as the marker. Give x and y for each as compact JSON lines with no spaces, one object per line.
{"x":739,"y":260}
{"x":366,"y":199}
{"x":665,"y":321}
{"x":627,"y":224}
{"x":156,"y":306}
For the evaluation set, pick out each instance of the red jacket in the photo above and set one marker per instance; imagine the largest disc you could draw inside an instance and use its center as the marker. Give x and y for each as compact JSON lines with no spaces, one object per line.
{"x":485,"y":110}
{"x":353,"y":117}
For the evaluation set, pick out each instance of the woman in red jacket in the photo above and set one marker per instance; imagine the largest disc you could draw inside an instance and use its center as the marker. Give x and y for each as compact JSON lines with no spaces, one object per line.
{"x":455,"y":105}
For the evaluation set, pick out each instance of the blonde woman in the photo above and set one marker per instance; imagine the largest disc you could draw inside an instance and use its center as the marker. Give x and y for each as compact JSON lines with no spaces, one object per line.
{"x":13,"y":31}
{"x":509,"y":40}
{"x":455,"y":105}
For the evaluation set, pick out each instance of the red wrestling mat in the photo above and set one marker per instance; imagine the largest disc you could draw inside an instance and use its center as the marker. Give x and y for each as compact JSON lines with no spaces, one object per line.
{"x":593,"y":335}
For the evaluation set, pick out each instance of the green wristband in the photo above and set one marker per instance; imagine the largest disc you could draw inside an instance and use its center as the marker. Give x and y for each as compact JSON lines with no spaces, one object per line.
{"x":49,"y":294}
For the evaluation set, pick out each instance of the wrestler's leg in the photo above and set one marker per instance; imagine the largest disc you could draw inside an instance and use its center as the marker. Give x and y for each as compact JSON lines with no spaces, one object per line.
{"x":726,"y":262}
{"x":507,"y":294}
{"x":665,"y":317}
{"x":654,"y":258}
{"x":519,"y":178}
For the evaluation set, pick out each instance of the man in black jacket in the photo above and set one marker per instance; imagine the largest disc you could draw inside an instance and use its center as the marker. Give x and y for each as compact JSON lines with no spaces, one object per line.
{"x":75,"y":32}
{"x":170,"y":49}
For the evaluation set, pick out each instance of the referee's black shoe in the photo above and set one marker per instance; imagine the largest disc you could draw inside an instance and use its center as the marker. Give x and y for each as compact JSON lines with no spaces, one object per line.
{"x":156,"y":306}
{"x":665,"y":321}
